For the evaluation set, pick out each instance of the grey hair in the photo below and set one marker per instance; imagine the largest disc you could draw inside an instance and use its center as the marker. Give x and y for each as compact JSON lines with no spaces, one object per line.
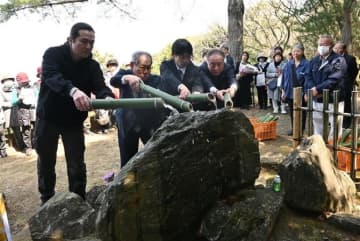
{"x":136,"y":55}
{"x":342,"y":44}
{"x":299,"y":46}
{"x":215,"y":51}
{"x":328,"y":37}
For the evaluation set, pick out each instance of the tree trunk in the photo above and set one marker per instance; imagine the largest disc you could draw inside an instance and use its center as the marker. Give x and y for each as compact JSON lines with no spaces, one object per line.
{"x":346,"y":30}
{"x":235,"y":27}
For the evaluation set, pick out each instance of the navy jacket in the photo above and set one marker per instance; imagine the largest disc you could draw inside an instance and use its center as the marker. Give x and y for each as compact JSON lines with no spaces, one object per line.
{"x":289,"y":81}
{"x":329,"y":75}
{"x":194,"y":79}
{"x":60,"y":73}
{"x":149,"y":119}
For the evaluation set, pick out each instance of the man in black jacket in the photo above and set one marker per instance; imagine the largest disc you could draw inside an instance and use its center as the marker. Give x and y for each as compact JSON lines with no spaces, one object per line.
{"x":349,"y":79}
{"x":220,"y":74}
{"x":141,"y":123}
{"x":69,"y":76}
{"x":180,"y":74}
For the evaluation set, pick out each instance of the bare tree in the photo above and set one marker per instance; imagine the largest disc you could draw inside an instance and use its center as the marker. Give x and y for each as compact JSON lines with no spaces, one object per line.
{"x":266,"y":27}
{"x":346,"y":30}
{"x":336,"y":17}
{"x":55,"y":8}
{"x":236,"y":11}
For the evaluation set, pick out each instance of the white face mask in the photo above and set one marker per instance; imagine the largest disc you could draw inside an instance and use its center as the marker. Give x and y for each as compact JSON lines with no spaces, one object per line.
{"x":323,"y":50}
{"x":8,"y":85}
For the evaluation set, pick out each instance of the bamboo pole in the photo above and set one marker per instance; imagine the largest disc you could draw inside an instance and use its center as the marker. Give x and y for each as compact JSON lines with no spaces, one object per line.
{"x":228,"y":104}
{"x":310,"y":108}
{"x":326,"y":116}
{"x":169,"y":99}
{"x":201,"y":97}
{"x":297,"y":127}
{"x":354,"y":136}
{"x":128,"y":103}
{"x":335,"y":124}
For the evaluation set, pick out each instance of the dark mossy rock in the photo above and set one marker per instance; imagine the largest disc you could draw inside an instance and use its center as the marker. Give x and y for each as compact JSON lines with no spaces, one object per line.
{"x":250,"y":215}
{"x":65,"y":216}
{"x":313,"y":183}
{"x":192,"y":161}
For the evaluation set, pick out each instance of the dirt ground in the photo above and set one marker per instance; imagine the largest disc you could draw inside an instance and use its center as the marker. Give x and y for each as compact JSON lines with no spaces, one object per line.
{"x":18,"y":178}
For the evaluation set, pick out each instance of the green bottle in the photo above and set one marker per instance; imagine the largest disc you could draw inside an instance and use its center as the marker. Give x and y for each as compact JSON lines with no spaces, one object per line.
{"x":277,"y":184}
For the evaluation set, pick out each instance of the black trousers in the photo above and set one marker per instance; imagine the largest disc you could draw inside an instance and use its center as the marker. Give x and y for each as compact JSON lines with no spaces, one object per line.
{"x":262,"y":96}
{"x":129,"y":139}
{"x":46,"y":143}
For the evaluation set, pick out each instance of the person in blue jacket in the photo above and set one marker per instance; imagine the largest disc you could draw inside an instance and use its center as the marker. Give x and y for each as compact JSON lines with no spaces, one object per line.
{"x":327,"y":71}
{"x":294,"y":74}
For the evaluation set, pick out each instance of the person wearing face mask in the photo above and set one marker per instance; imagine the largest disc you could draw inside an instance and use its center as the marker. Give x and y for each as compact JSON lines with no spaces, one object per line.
{"x":8,"y":95}
{"x":327,"y":71}
{"x":26,"y":105}
{"x":262,"y":66}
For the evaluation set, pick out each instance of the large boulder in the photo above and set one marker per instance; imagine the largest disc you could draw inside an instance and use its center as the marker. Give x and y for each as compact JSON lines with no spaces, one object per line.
{"x":234,"y":219}
{"x":312,"y":182}
{"x":65,"y":216}
{"x":191,"y":162}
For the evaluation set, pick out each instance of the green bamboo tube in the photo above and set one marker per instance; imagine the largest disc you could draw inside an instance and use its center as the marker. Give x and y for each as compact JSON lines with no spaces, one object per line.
{"x":227,"y":101}
{"x":169,"y":99}
{"x":128,"y":103}
{"x":201,"y":97}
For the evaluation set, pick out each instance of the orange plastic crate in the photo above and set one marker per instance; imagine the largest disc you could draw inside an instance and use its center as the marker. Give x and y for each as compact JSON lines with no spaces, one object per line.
{"x":264,"y":131}
{"x":344,"y":158}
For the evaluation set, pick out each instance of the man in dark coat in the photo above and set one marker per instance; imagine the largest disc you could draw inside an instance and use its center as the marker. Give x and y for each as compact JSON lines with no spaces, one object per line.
{"x":181,"y":77}
{"x":141,"y":123}
{"x":221,"y":75}
{"x":180,"y":74}
{"x":228,"y":58}
{"x":350,"y":79}
{"x":69,"y":76}
{"x":327,"y":71}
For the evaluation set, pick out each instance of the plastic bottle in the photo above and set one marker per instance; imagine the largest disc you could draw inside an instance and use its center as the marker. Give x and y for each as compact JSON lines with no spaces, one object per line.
{"x":277,"y":184}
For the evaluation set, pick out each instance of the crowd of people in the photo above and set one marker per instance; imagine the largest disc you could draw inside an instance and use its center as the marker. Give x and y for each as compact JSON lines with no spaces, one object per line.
{"x":70,"y":77}
{"x":18,"y":99}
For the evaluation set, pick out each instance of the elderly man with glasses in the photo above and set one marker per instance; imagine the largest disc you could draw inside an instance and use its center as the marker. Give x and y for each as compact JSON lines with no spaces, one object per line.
{"x":141,"y":123}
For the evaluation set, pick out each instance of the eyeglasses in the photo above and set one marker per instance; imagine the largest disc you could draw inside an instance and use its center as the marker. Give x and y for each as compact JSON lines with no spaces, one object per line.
{"x":144,"y":67}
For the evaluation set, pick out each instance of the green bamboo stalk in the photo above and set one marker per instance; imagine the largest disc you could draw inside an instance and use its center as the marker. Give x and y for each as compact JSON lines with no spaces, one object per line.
{"x":169,"y":99}
{"x":201,"y":97}
{"x":227,"y":101}
{"x":128,"y":103}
